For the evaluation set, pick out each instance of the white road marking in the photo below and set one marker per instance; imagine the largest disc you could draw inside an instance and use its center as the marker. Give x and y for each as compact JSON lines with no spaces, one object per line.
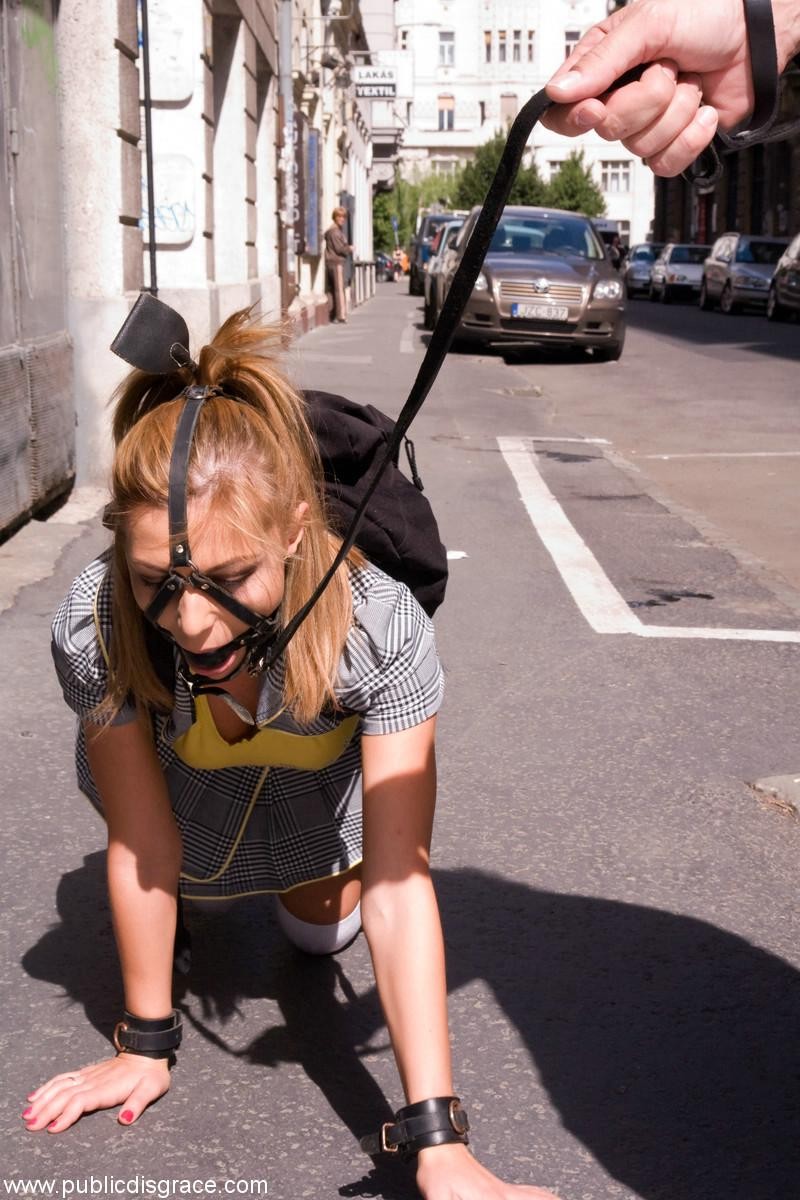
{"x":451,"y":554}
{"x":593,"y":592}
{"x":583,"y":441}
{"x":407,"y":339}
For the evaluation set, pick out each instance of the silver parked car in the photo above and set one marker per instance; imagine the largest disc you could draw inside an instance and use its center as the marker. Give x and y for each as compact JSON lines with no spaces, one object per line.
{"x":546,"y":281}
{"x":783,"y":297}
{"x":738,"y":270}
{"x":678,"y":271}
{"x":638,"y":267}
{"x":434,"y":290}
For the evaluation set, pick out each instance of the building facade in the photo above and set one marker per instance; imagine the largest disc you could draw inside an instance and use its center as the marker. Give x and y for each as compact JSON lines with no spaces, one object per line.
{"x":472,"y":64}
{"x":256,"y":135}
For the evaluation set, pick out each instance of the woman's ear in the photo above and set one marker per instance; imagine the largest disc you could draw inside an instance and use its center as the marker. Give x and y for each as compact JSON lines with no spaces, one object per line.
{"x":298,"y":528}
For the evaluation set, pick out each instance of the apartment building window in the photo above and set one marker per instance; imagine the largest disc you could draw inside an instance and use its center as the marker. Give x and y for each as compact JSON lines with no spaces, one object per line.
{"x":508,"y":108}
{"x":403,"y":39}
{"x":615,"y":176}
{"x":501,"y":46}
{"x":446,"y":167}
{"x":516,"y":46}
{"x":409,"y":111}
{"x":487,"y":45}
{"x":554,"y":167}
{"x":447,"y":112}
{"x":447,"y":48}
{"x":531,"y":44}
{"x":482,"y":111}
{"x":571,"y":39}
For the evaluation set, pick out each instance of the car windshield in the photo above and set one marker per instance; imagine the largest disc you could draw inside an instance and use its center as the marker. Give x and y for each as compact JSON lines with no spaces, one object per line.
{"x":432,"y":225}
{"x":759,"y":252}
{"x":642,"y":254}
{"x":566,"y":236}
{"x":689,"y":254}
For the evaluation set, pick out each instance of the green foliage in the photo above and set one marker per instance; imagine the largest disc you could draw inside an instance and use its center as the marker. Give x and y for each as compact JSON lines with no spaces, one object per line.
{"x":404,"y":202}
{"x":382,"y":232}
{"x":473,"y":182}
{"x":574,"y":188}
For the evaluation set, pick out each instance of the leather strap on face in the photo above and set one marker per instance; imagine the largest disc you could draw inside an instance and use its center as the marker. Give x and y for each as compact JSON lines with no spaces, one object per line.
{"x":439,"y":1121}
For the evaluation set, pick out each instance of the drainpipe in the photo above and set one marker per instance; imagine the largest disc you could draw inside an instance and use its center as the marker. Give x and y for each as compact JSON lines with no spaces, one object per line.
{"x":148,"y":131}
{"x":288,"y":207}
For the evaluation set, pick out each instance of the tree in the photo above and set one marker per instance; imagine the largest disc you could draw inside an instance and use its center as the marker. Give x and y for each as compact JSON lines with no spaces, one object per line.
{"x":403,"y":202}
{"x":573,"y":188}
{"x":473,"y":182}
{"x":382,"y":232}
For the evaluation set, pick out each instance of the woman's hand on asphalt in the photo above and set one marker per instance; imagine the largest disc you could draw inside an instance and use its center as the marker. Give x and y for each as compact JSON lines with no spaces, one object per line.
{"x":451,"y":1173}
{"x":699,"y":77}
{"x":129,"y":1079}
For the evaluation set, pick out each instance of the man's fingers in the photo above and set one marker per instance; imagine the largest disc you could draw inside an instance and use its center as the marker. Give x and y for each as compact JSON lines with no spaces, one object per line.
{"x":636,"y":106}
{"x":571,"y":120}
{"x":625,"y":40}
{"x":687,"y":146}
{"x":665,"y":129}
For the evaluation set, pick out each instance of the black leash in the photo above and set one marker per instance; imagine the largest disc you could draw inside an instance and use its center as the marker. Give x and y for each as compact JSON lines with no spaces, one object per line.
{"x":165,"y":354}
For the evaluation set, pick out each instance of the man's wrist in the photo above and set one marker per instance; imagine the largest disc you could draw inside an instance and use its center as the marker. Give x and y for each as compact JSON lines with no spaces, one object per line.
{"x":786,"y":15}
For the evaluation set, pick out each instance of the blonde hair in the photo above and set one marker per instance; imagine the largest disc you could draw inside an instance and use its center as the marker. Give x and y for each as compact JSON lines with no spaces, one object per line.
{"x":253,"y":461}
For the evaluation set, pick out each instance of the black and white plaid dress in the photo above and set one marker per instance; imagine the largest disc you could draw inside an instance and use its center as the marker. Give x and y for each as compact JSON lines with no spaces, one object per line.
{"x":295,"y":814}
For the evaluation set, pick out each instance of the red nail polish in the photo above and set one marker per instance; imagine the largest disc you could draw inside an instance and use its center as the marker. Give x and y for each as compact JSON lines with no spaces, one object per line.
{"x":27,"y":1110}
{"x":126,"y":1116}
{"x":53,"y":1124}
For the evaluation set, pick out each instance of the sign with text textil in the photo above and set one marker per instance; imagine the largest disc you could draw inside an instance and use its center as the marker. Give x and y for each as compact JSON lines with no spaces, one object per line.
{"x":375,"y":83}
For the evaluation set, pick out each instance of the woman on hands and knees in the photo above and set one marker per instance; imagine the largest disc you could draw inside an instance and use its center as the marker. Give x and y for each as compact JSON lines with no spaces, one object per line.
{"x":196,"y":721}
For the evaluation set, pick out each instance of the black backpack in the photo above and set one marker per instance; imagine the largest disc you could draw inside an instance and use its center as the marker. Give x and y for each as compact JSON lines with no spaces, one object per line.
{"x":399,"y":533}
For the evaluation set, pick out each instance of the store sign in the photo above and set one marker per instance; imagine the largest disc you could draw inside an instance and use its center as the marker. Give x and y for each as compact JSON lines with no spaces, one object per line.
{"x":375,"y":83}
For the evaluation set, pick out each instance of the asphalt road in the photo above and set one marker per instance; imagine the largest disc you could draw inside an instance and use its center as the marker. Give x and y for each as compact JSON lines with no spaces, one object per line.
{"x":619,"y":904}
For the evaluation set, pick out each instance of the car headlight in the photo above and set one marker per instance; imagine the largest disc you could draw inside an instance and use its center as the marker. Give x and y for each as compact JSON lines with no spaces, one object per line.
{"x":481,"y":283}
{"x":749,"y":281}
{"x":607,"y":289}
{"x":675,"y":278}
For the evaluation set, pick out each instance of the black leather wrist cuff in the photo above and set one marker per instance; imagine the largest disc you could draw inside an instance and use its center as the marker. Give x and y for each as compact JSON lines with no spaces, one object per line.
{"x":435,"y":1122}
{"x":152,"y":1038}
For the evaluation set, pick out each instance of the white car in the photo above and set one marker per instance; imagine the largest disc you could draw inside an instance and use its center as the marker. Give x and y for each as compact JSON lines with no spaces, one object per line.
{"x":678,"y":271}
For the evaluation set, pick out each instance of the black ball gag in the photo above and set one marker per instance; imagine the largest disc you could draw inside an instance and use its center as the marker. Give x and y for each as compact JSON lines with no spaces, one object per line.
{"x":155,"y":339}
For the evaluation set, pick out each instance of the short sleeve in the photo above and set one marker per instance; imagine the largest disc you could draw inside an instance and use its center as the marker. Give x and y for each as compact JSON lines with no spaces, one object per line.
{"x":390,"y":671}
{"x":81,"y":633}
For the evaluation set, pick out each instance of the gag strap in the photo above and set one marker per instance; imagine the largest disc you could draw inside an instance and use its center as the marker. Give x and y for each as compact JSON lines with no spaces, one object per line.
{"x":440,"y":1121}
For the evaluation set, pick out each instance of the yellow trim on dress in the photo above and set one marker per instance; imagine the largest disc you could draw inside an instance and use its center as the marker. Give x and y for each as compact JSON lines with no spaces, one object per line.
{"x":268,"y":891}
{"x":203,"y":747}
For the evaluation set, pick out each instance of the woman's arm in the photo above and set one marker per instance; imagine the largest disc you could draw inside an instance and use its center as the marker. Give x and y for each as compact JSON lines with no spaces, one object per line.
{"x":401,"y":922}
{"x":144,"y":857}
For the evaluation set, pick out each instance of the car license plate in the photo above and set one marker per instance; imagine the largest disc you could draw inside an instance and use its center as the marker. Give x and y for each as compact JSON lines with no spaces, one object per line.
{"x":540,"y":312}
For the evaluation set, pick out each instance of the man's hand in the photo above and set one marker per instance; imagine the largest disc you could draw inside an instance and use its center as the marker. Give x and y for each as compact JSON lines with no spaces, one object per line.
{"x":700,"y":74}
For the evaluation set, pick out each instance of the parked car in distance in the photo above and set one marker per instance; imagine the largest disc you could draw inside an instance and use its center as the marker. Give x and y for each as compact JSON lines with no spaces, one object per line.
{"x":738,"y":270}
{"x":783,"y":297}
{"x":546,"y":281}
{"x":384,"y":267}
{"x":638,"y":267}
{"x":420,"y":250}
{"x":678,"y":271}
{"x":434,"y":292}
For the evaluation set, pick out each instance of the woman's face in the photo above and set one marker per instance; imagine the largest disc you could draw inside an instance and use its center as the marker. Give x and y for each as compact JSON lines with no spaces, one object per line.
{"x":253,"y":573}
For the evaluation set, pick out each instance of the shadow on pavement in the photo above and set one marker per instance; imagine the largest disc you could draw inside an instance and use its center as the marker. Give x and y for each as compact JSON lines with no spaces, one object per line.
{"x":749,"y":330}
{"x":668,"y":1046}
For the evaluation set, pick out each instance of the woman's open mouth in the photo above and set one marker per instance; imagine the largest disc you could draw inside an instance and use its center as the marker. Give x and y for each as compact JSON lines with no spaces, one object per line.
{"x":214,"y":663}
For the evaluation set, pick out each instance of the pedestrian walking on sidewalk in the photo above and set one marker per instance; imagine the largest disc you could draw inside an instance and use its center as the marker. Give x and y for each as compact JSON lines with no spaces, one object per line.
{"x":337,"y":252}
{"x":311,"y":777}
